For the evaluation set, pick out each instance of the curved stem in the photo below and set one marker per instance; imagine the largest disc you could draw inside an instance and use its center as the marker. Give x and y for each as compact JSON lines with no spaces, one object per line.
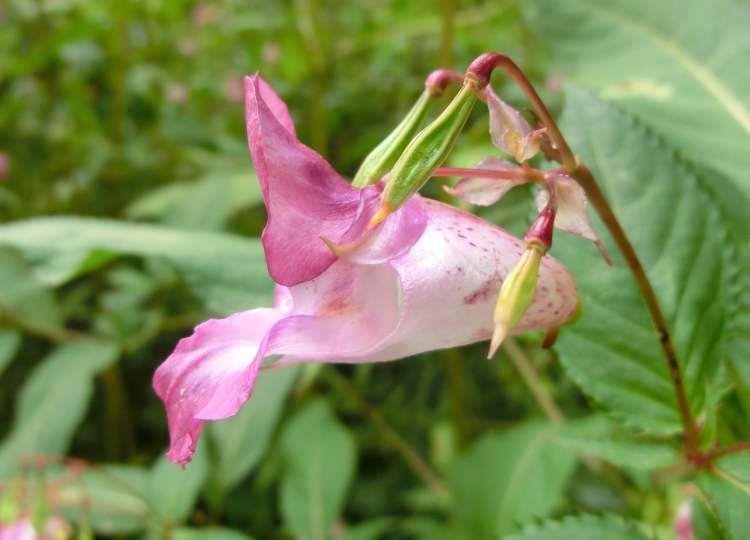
{"x":481,"y":69}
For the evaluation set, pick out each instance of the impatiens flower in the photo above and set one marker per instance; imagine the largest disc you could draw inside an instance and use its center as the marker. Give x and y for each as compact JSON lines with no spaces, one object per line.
{"x":426,"y":278}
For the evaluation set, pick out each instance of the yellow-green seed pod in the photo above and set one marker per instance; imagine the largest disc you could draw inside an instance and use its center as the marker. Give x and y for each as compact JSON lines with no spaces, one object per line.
{"x":516,"y":294}
{"x":381,"y":159}
{"x":429,"y":149}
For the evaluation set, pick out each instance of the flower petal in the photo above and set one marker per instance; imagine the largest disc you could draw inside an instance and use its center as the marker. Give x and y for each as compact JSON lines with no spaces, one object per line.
{"x":304,"y":196}
{"x":391,"y":239}
{"x":344,"y":315}
{"x":277,"y":107}
{"x":486,"y":191}
{"x":510,"y":131}
{"x":210,"y":375}
{"x":572,"y":209}
{"x":451,"y":279}
{"x":306,"y":200}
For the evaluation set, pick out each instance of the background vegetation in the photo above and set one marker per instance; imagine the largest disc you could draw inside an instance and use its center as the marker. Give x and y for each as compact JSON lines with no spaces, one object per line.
{"x":129,"y":113}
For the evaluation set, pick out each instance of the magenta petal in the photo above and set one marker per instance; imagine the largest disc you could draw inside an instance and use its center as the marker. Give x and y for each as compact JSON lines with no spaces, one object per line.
{"x":485,"y":191}
{"x":390,"y":239}
{"x":344,"y":315}
{"x":275,"y":104}
{"x":304,"y":196}
{"x":210,"y":375}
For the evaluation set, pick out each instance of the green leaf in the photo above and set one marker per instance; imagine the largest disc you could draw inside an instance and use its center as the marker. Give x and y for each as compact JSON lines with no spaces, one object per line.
{"x":23,"y":298}
{"x":228,"y":272}
{"x":508,"y":478}
{"x":207,"y":203}
{"x":53,"y":401}
{"x":10,"y":340}
{"x":613,"y":351}
{"x":240,"y":442}
{"x":705,"y":524}
{"x":597,"y":436}
{"x":320,"y":460}
{"x":727,"y":491}
{"x":679,"y":65}
{"x":585,"y":527}
{"x":113,"y":496}
{"x":173,"y":490}
{"x":207,"y":533}
{"x":368,"y":530}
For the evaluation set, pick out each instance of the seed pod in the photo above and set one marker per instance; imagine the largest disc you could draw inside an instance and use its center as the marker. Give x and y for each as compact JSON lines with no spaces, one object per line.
{"x":383,"y":156}
{"x":428,"y":150}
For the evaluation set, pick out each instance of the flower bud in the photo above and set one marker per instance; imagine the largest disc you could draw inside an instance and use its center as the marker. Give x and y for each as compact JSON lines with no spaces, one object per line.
{"x":516,"y":295}
{"x":427,"y":151}
{"x":517,"y":290}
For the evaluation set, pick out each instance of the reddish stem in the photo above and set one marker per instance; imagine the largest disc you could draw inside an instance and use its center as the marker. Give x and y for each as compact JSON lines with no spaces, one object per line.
{"x":438,"y":80}
{"x":529,"y":175}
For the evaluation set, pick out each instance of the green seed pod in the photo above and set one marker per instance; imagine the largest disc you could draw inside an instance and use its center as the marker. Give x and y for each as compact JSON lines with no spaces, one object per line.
{"x":429,"y":149}
{"x":381,"y":159}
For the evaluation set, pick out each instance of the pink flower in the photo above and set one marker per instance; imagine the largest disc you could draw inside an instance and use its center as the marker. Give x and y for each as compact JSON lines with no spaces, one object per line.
{"x":4,"y":165}
{"x":426,"y":278}
{"x":683,"y":526}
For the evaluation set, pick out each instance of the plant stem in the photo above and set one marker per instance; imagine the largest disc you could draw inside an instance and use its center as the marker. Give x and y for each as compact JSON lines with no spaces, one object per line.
{"x":528,"y":175}
{"x":481,"y":68}
{"x":532,"y":380}
{"x":743,"y":446}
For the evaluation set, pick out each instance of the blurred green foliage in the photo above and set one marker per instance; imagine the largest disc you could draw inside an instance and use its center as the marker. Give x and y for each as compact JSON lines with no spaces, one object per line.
{"x":129,"y":113}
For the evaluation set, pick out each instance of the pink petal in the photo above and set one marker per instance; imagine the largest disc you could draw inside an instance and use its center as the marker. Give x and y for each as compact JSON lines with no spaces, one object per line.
{"x":344,"y":315}
{"x":510,"y":131}
{"x":304,"y":196}
{"x":274,"y":103}
{"x":306,"y":199}
{"x":485,"y":191}
{"x":210,"y":375}
{"x":572,"y":209}
{"x":451,"y":279}
{"x":392,"y":238}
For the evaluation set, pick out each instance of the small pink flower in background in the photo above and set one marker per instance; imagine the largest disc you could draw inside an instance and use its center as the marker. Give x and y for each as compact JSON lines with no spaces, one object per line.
{"x":233,"y":89}
{"x":187,"y":46}
{"x":427,"y":278}
{"x":683,"y":527}
{"x":271,"y":53}
{"x":177,"y":93}
{"x":205,"y":14}
{"x":4,"y":165}
{"x":55,"y":529}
